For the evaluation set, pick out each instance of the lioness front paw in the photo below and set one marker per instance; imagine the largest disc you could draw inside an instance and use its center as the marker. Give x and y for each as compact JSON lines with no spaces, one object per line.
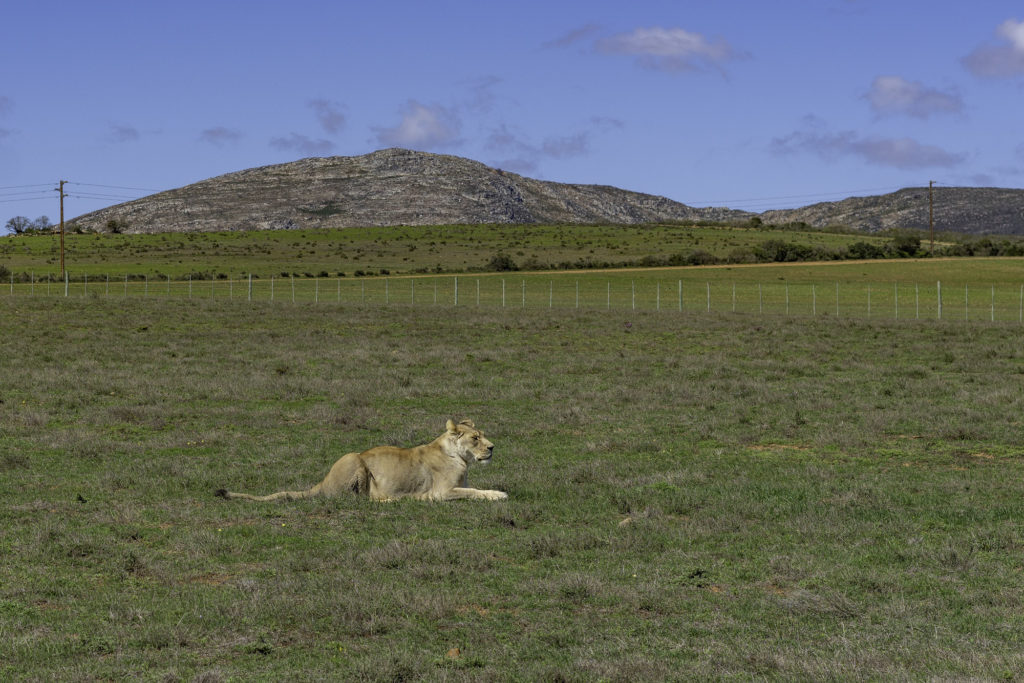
{"x":495,"y":495}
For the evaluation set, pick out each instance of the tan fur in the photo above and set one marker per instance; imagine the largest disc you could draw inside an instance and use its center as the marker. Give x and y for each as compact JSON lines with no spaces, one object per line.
{"x":434,"y":471}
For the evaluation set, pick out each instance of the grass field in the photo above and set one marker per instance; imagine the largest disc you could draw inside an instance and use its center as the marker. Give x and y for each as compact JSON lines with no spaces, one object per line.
{"x":691,"y":497}
{"x":973,"y":289}
{"x":396,"y":250}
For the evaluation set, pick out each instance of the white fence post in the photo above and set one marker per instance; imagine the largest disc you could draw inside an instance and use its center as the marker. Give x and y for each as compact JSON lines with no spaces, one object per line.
{"x":938,"y":290}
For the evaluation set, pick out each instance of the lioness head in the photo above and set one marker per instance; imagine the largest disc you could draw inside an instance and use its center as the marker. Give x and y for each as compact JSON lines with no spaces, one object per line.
{"x":469,"y":443}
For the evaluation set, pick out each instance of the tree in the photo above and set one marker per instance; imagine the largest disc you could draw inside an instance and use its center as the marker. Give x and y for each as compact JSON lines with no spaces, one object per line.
{"x":18,"y":224}
{"x":906,"y":244}
{"x":41,"y":223}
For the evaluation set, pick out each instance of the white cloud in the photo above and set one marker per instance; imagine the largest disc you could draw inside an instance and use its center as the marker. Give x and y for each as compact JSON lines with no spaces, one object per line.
{"x":422,"y":127}
{"x":523,"y":156}
{"x":1013,"y":31}
{"x":303,"y":145}
{"x":329,"y":114}
{"x":670,"y":49}
{"x":219,"y":136}
{"x":1000,"y":60}
{"x":567,"y":146}
{"x":904,"y":153}
{"x":574,"y":36}
{"x":895,"y":95}
{"x":120,"y":132}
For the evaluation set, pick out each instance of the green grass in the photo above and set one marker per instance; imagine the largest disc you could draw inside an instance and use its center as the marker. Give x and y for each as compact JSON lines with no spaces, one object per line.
{"x":396,"y":249}
{"x":977,"y":289}
{"x":691,"y":497}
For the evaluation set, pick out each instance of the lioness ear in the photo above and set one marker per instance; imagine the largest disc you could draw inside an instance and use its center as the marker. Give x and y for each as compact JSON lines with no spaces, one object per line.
{"x":468,"y":423}
{"x":450,"y":426}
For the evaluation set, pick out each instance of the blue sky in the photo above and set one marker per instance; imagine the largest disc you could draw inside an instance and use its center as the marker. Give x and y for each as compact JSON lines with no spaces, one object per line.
{"x":752,"y":105}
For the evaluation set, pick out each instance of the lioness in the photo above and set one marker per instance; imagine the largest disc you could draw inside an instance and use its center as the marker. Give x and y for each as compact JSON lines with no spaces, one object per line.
{"x":434,"y":471}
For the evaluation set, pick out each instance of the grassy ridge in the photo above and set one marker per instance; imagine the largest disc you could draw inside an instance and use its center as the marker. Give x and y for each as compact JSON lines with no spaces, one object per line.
{"x":691,"y":496}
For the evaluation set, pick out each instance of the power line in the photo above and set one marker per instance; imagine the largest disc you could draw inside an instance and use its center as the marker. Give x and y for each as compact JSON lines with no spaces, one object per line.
{"x":25,"y":199}
{"x":94,"y":195}
{"x":755,"y":200}
{"x":24,"y":194}
{"x":115,"y":187}
{"x":21,"y":187}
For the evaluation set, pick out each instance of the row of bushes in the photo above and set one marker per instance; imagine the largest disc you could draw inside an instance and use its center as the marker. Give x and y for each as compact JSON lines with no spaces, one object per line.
{"x":770,"y":251}
{"x":777,"y":251}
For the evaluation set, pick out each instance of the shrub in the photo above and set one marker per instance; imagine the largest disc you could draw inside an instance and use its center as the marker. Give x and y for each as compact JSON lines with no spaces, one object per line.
{"x":865,"y":250}
{"x":906,"y":245}
{"x":501,"y":262}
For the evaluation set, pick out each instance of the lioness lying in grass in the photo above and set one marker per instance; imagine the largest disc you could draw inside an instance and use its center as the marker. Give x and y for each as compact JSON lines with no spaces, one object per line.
{"x":434,"y":471}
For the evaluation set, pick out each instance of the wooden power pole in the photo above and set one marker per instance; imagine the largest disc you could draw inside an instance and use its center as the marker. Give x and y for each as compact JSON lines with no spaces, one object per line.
{"x":931,"y":214}
{"x":62,"y":195}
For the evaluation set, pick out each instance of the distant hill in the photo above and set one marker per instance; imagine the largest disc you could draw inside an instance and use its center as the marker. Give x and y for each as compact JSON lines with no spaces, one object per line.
{"x":403,"y":187}
{"x":980,"y":211}
{"x":388,"y":187}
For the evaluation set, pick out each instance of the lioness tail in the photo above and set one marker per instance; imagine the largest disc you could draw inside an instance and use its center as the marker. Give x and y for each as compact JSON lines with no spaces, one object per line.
{"x":287,"y":495}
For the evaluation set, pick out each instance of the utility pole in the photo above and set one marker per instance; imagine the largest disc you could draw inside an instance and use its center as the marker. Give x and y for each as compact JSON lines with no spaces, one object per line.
{"x":931,"y":214}
{"x":62,"y":195}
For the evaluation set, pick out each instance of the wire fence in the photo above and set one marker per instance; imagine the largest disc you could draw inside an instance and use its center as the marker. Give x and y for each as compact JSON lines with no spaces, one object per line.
{"x":1002,"y":302}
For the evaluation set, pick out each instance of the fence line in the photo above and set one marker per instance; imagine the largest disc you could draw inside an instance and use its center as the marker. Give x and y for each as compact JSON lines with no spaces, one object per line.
{"x":849,"y":299}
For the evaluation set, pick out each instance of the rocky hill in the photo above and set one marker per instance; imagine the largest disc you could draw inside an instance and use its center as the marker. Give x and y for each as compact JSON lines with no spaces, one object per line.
{"x":403,"y":187}
{"x":388,"y":187}
{"x":981,"y":211}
